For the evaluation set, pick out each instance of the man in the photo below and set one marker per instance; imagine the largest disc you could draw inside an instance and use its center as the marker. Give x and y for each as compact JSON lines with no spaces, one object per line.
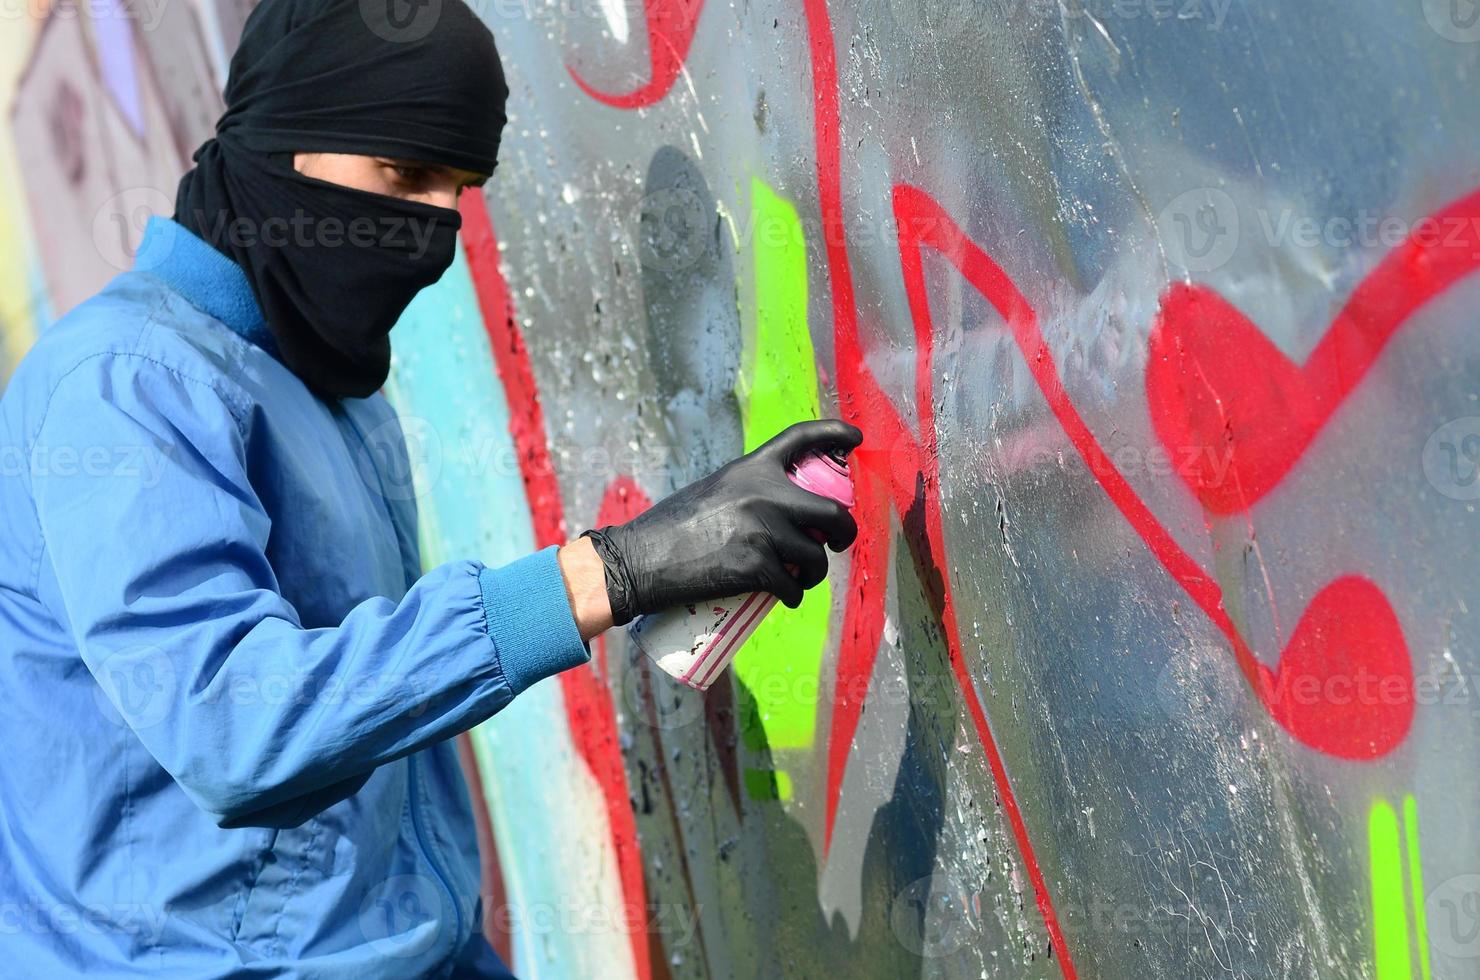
{"x":230,"y":692}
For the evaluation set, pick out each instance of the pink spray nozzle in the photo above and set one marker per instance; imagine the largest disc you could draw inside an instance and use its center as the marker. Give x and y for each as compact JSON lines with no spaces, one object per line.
{"x":823,"y":473}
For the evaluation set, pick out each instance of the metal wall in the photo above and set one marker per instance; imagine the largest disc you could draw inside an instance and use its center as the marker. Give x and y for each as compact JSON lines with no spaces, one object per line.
{"x":1154,"y":657}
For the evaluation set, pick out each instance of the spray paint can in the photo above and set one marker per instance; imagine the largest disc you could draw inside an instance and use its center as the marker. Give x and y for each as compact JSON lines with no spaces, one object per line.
{"x":695,"y":643}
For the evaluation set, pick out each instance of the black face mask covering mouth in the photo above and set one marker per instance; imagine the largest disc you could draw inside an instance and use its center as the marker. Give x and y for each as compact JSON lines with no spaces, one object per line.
{"x":333,"y":267}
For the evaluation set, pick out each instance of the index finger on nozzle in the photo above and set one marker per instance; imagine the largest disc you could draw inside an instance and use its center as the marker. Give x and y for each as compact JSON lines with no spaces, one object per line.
{"x":822,"y":435}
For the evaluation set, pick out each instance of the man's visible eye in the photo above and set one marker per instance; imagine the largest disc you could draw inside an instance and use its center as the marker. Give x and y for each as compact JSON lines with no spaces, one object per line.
{"x":410,"y":176}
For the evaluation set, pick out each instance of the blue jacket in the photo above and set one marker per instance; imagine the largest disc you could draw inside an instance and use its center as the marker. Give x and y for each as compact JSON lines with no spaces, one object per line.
{"x":228,"y":688}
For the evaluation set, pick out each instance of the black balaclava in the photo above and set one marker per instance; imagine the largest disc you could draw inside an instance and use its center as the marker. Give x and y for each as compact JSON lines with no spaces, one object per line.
{"x":333,"y":267}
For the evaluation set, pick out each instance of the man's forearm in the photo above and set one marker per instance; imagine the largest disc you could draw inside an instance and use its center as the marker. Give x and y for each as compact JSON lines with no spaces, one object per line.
{"x":585,"y":586}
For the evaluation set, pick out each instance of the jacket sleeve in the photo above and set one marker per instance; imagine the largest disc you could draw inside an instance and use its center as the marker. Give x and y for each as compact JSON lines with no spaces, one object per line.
{"x":163,"y":580}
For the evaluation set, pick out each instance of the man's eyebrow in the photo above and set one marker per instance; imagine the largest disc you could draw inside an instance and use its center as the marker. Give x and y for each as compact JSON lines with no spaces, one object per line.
{"x":477,"y":180}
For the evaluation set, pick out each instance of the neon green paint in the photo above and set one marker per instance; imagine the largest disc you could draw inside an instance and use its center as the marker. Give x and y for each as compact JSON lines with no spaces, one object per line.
{"x":1415,"y":881}
{"x":780,"y":663}
{"x":763,"y":784}
{"x":1389,"y":903}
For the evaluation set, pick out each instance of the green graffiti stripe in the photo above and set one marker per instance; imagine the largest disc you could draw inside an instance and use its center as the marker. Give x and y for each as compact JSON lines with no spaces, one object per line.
{"x":1389,"y":904}
{"x":763,"y":784}
{"x":1415,"y":881}
{"x":780,"y":663}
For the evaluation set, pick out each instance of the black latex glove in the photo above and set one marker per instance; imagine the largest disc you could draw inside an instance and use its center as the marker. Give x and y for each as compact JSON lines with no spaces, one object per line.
{"x":735,"y":531}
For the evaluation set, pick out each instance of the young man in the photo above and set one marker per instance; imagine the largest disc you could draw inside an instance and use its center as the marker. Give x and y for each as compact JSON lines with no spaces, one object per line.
{"x":229,"y":690}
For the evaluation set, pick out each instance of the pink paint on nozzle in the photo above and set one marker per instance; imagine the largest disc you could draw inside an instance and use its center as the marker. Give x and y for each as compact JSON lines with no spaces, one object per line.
{"x":696,"y":643}
{"x":825,"y":475}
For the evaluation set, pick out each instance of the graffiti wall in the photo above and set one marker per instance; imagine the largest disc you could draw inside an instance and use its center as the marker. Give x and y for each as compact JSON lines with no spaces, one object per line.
{"x":1154,"y":657}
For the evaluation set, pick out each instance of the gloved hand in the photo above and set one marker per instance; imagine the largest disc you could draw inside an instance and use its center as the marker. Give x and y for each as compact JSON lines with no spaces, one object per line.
{"x":735,"y":531}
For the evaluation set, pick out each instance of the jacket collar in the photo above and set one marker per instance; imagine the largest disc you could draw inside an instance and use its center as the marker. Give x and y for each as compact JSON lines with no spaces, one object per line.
{"x":209,"y":280}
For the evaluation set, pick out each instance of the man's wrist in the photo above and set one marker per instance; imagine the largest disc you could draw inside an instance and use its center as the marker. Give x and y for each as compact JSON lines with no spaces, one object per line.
{"x":585,"y":586}
{"x":614,"y":574}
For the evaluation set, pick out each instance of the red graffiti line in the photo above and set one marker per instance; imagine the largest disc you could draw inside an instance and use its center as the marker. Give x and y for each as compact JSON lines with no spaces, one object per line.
{"x":908,"y":470}
{"x":1348,"y":632}
{"x":495,"y":894}
{"x":670,"y":32}
{"x":625,"y":499}
{"x":1215,"y":383}
{"x":588,"y":703}
{"x":622,"y":501}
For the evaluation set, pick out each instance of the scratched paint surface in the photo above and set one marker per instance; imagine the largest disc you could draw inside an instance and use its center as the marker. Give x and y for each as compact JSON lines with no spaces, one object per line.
{"x":1154,"y":657}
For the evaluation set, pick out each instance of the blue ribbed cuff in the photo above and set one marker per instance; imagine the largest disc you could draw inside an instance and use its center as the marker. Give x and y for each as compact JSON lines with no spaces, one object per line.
{"x":529,"y":620}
